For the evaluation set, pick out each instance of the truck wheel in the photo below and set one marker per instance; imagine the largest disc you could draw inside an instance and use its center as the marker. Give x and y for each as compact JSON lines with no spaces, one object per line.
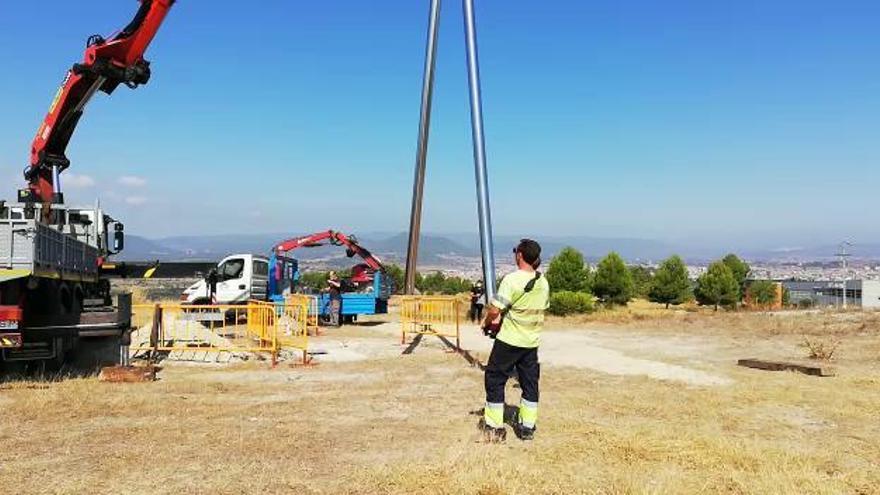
{"x":65,"y":299}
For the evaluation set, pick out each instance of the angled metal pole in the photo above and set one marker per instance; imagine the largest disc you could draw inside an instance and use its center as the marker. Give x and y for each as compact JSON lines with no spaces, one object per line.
{"x":415,"y":218}
{"x":487,"y":248}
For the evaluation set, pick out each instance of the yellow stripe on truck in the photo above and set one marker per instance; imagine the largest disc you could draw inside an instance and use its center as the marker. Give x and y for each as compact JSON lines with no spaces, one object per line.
{"x":7,"y":275}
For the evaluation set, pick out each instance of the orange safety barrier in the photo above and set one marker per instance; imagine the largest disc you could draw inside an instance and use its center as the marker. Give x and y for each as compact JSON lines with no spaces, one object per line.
{"x":312,"y":321}
{"x":292,"y":325}
{"x":190,"y":331}
{"x":431,"y":315}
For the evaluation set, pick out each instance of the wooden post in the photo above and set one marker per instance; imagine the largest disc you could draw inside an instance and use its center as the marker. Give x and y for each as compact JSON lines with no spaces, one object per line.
{"x":155,"y":331}
{"x":783,"y":366}
{"x":457,"y":309}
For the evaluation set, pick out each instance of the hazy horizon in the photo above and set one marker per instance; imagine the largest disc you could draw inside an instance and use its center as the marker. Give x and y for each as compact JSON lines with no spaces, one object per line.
{"x":436,"y":244}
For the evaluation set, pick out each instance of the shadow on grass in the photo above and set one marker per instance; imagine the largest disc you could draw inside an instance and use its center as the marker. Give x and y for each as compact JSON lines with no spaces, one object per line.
{"x":367,"y":323}
{"x":412,"y":345}
{"x":85,"y":361}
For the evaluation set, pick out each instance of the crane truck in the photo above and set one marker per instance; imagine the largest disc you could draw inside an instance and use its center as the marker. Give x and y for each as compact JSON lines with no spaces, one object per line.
{"x":367,"y":290}
{"x":53,"y":295}
{"x":239,"y":278}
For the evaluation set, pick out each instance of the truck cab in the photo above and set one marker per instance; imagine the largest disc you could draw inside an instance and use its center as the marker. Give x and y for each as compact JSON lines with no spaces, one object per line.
{"x":238,"y":277}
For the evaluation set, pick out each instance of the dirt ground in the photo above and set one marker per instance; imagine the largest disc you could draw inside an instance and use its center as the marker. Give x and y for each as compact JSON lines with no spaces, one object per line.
{"x":629,"y":404}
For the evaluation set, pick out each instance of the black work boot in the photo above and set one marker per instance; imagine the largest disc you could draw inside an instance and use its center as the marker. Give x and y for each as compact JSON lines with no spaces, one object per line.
{"x":490,"y":434}
{"x":525,"y":433}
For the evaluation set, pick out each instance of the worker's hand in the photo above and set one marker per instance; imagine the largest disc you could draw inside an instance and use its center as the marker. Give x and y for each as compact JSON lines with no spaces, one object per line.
{"x":493,"y":316}
{"x":492,"y":323}
{"x":492,"y":326}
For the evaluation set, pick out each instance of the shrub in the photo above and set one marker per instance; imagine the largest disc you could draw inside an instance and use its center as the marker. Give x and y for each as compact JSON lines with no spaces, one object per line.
{"x":819,"y":349}
{"x":563,"y":303}
{"x":763,"y":293}
{"x":438,"y":283}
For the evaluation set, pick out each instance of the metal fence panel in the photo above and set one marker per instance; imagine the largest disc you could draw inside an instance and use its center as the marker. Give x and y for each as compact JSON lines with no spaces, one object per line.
{"x":256,"y":327}
{"x":431,"y":315}
{"x":313,"y":312}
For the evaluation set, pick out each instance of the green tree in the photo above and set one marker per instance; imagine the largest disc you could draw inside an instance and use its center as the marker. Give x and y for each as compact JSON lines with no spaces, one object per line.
{"x":432,"y":283}
{"x":314,"y":281}
{"x":717,"y":286}
{"x":438,"y":283}
{"x":456,"y":285}
{"x":396,"y":274}
{"x":786,"y":297}
{"x":671,"y":284}
{"x":613,"y":282}
{"x":317,"y":281}
{"x":763,"y":292}
{"x":568,"y":272}
{"x":642,"y":279}
{"x":740,"y":270}
{"x":563,"y":303}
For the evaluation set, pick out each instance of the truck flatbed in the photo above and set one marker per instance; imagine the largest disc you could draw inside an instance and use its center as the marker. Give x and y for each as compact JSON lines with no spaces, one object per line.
{"x":29,"y":247}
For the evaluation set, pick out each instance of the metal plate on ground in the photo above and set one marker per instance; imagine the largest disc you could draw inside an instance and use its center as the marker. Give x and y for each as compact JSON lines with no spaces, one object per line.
{"x":200,"y":317}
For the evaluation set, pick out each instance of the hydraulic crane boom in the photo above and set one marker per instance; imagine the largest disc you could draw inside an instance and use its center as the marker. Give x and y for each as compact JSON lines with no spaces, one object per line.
{"x":107,"y":63}
{"x":337,"y":239}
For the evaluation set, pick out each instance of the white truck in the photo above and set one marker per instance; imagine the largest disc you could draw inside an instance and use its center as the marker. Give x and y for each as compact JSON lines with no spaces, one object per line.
{"x":238,"y":278}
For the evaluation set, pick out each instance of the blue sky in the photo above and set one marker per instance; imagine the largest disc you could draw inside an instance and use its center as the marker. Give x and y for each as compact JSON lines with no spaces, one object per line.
{"x":695,"y":121}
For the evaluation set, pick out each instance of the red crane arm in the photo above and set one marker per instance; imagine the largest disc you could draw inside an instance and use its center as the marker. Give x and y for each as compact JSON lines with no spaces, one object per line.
{"x":335,"y":238}
{"x":106,"y":64}
{"x":311,"y":240}
{"x":353,"y":248}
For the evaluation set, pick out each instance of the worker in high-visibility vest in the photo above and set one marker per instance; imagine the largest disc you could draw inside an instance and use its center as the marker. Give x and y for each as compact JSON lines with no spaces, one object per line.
{"x":515,"y":319}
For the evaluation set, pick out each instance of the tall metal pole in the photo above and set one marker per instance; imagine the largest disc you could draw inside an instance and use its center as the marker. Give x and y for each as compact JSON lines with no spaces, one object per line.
{"x":486,"y":244}
{"x":415,"y":218}
{"x":843,"y":254}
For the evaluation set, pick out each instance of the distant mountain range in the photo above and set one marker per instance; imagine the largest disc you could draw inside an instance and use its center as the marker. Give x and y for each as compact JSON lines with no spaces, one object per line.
{"x":392,"y":248}
{"x":438,"y":249}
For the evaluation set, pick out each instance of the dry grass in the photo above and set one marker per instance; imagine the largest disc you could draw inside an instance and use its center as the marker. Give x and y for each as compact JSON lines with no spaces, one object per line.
{"x":404,"y":425}
{"x":138,"y":295}
{"x":691,"y":319}
{"x":820,"y":349}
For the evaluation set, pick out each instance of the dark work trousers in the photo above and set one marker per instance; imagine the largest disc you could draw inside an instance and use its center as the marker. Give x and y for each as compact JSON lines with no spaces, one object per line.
{"x":335,"y":311}
{"x":476,"y":312}
{"x":503,"y":360}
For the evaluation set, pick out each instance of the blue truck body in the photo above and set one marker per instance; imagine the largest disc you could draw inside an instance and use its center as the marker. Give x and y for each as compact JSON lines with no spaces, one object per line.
{"x":284,"y":272}
{"x":374,"y":302}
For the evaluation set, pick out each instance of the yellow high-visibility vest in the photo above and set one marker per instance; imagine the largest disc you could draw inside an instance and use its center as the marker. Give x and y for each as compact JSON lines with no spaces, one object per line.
{"x":523,"y":324}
